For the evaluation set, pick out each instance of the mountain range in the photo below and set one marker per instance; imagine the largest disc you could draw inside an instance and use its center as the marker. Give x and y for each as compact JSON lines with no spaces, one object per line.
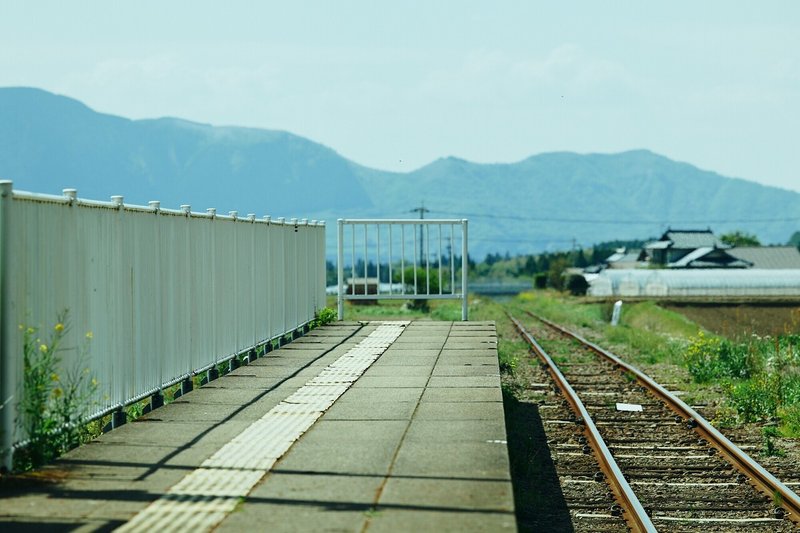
{"x":548,"y":201}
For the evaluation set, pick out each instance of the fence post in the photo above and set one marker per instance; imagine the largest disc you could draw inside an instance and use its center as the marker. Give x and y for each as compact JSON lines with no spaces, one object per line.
{"x":7,"y":366}
{"x":340,"y":269}
{"x":464,"y":271}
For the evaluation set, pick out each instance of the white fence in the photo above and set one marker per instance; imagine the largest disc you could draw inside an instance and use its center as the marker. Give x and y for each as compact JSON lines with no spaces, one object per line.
{"x":166,"y":294}
{"x":417,"y":257}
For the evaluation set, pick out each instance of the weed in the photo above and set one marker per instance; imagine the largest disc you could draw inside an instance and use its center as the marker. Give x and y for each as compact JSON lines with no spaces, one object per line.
{"x":769,"y":434}
{"x":324,"y":316}
{"x":54,"y":401}
{"x":508,"y":354}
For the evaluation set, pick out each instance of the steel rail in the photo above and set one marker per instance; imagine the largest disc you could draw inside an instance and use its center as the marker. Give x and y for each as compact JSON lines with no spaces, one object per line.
{"x":636,"y":516}
{"x":759,"y":477}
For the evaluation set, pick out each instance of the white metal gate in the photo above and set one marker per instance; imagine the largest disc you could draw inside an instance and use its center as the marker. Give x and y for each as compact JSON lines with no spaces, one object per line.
{"x":417,"y":257}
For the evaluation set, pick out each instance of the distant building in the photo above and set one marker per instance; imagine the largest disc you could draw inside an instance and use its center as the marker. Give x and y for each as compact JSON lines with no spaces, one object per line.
{"x":691,"y":249}
{"x":362,"y":286}
{"x":674,"y":245}
{"x":624,"y":258}
{"x":768,"y":257}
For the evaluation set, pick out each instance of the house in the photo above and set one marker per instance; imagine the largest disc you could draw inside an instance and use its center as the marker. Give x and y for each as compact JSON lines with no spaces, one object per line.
{"x":691,"y":249}
{"x":768,"y":257}
{"x":674,"y":245}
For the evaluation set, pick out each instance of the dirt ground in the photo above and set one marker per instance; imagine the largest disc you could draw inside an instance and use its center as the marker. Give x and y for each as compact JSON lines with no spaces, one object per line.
{"x":736,"y":320}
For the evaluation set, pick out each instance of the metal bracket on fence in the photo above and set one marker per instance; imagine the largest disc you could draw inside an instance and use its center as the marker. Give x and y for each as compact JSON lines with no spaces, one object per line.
{"x":379,"y":249}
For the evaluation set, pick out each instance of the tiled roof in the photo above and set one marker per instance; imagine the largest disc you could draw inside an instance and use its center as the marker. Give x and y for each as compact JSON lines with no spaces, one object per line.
{"x":771,"y":257}
{"x":692,"y":239}
{"x":708,"y":257}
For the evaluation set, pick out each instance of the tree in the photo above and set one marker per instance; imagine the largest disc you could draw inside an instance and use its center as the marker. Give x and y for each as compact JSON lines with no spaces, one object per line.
{"x":529,"y":268}
{"x":740,"y":238}
{"x":555,"y":274}
{"x":580,"y":259}
{"x":794,"y":240}
{"x":577,"y":285}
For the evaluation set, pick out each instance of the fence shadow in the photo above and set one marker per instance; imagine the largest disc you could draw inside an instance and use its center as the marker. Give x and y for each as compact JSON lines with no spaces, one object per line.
{"x":538,"y":499}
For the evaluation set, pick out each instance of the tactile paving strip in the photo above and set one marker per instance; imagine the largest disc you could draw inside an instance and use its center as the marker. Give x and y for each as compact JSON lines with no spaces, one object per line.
{"x":205,"y":496}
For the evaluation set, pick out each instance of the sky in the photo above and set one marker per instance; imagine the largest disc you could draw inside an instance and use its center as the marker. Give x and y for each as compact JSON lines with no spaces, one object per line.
{"x":397,"y":85}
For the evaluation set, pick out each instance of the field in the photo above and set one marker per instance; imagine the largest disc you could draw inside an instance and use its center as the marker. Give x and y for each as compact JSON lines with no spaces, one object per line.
{"x":737,"y":320}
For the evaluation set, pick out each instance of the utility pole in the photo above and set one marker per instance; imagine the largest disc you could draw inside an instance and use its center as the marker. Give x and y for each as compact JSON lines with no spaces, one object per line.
{"x":421,"y":210}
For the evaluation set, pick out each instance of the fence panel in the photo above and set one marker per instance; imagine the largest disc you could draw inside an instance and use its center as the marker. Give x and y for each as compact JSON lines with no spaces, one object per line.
{"x":157,"y":295}
{"x":417,"y":258}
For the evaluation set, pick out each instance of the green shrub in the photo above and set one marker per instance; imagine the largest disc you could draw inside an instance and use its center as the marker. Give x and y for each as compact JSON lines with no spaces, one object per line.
{"x":423,"y":281}
{"x":577,"y":285}
{"x":702,"y":357}
{"x":754,"y":400}
{"x":326,"y":315}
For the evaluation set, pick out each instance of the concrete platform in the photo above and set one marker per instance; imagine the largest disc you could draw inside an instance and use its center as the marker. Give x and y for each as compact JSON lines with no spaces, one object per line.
{"x":418,"y":441}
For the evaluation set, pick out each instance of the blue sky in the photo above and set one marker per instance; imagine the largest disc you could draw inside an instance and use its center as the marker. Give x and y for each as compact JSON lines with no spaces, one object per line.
{"x":395,"y":85}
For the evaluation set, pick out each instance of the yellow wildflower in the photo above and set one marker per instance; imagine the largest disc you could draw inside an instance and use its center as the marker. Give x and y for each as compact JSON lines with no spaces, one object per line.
{"x":59,"y":327}
{"x":43,"y":348}
{"x":94,"y":382}
{"x":89,"y":335}
{"x":21,"y":327}
{"x":54,"y":377}
{"x":57,"y":392}
{"x":30,"y":330}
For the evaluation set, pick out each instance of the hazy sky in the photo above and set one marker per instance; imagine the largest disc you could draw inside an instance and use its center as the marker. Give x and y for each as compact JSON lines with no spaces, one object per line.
{"x":395,"y":85}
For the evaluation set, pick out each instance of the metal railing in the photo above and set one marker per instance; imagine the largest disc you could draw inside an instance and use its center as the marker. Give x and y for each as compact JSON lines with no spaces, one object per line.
{"x":167,"y":294}
{"x":417,"y":258}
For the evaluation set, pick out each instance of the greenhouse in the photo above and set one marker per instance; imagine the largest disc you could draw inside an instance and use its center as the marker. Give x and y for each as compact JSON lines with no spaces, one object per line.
{"x":698,"y":282}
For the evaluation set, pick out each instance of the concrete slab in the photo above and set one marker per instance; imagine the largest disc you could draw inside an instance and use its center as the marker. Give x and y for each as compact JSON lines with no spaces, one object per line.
{"x":455,"y":460}
{"x":461,"y":352}
{"x":391,"y":382}
{"x":465,"y":370}
{"x":399,"y":370}
{"x":464,"y":381}
{"x":374,"y":411}
{"x":459,"y":410}
{"x":434,"y":433}
{"x":447,"y":359}
{"x":463,"y":394}
{"x":465,"y":494}
{"x":440,"y":520}
{"x":400,"y":360}
{"x":319,"y":502}
{"x":367,"y":396}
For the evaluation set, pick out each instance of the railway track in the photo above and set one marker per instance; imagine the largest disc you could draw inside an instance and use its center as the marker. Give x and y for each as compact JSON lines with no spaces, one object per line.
{"x":630,"y":455}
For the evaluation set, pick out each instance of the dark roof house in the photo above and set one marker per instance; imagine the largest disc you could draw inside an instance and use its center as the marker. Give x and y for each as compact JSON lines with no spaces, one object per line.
{"x":692,"y":249}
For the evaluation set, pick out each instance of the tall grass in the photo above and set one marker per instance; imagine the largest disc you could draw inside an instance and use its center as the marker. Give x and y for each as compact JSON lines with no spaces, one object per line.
{"x":760,"y":377}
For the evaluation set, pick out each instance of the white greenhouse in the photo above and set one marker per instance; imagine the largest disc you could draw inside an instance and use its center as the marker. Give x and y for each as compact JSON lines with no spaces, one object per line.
{"x":696,"y":282}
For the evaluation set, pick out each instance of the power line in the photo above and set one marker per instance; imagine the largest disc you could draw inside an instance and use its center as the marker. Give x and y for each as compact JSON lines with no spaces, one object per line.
{"x":615,"y":221}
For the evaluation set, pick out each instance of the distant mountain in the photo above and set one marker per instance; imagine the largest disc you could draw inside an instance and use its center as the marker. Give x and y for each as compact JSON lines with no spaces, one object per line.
{"x":48,"y":142}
